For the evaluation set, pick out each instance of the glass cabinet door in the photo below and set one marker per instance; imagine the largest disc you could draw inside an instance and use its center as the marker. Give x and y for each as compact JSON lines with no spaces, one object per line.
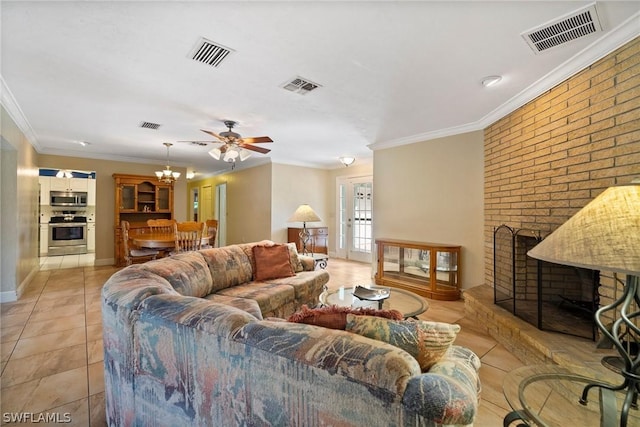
{"x":163,"y":198}
{"x":446,"y":270}
{"x":128,"y":197}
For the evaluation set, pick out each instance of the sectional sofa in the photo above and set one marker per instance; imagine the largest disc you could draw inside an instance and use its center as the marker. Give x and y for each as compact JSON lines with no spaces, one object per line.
{"x":194,"y":340}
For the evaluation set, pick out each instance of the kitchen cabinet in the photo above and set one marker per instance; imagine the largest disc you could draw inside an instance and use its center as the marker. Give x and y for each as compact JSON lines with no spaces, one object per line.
{"x":69,"y":184}
{"x":44,"y":239}
{"x":91,"y":237}
{"x":428,"y":269}
{"x":318,"y":239}
{"x":137,"y":199}
{"x":91,"y":192}
{"x":45,"y":189}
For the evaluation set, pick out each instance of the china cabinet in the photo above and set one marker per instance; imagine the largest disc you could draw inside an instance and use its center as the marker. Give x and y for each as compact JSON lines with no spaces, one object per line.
{"x":138,"y":199}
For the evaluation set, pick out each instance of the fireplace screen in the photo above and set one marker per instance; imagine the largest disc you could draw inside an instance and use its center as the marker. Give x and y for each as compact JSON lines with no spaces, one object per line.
{"x":550,"y":296}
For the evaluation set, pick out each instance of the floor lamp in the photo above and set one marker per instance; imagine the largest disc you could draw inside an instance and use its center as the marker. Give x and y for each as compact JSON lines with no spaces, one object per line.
{"x":304,"y":214}
{"x":605,"y":235}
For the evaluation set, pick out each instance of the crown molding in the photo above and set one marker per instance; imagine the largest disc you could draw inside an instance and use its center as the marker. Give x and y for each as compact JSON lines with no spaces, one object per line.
{"x":10,"y":104}
{"x":600,"y":48}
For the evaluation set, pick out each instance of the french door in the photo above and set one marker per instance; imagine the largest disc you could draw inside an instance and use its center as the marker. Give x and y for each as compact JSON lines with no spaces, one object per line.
{"x":355,"y":218}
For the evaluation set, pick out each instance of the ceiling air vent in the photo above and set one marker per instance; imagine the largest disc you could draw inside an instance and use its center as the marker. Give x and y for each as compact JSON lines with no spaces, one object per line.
{"x":149,"y":125}
{"x":300,"y":85}
{"x":570,"y":27}
{"x":209,"y":53}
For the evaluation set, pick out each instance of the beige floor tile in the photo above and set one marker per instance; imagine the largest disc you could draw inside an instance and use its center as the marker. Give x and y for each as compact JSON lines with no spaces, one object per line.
{"x":97,"y":411}
{"x":491,"y":379}
{"x":44,"y":327}
{"x":21,"y":370}
{"x":54,"y":341}
{"x":11,"y":333}
{"x":47,"y":392}
{"x":18,"y":319}
{"x":51,"y":293}
{"x":479,"y":342}
{"x":57,"y":312}
{"x":6,"y":349}
{"x":489,"y":415}
{"x":17,"y":307}
{"x":96,"y":378}
{"x":94,"y":332}
{"x":94,"y":317}
{"x":52,"y":303}
{"x":94,"y":304}
{"x":95,"y":351}
{"x":501,"y":358}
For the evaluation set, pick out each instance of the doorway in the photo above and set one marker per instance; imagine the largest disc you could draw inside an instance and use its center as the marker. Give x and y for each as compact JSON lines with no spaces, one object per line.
{"x":194,"y":203}
{"x":355,"y":218}
{"x":221,"y":213}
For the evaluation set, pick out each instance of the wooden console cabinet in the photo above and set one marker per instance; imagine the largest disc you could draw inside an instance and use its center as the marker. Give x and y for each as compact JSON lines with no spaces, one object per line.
{"x":318,"y":239}
{"x":137,"y":199}
{"x":428,"y":269}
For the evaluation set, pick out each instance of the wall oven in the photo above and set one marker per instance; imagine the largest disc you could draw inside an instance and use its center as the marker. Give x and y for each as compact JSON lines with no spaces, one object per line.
{"x":73,"y":199}
{"x":67,"y":236}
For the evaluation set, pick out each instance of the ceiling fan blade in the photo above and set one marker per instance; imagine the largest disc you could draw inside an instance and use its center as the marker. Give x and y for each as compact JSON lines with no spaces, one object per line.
{"x":257,"y":140}
{"x":254,"y":148}
{"x":213,"y":134}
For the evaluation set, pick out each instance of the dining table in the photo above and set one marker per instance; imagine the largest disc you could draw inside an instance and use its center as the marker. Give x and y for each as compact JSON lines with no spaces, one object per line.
{"x":159,"y":240}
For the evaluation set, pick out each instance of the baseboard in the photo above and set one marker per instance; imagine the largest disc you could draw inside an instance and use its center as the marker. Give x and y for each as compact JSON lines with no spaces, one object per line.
{"x":8,"y":296}
{"x":104,"y":261}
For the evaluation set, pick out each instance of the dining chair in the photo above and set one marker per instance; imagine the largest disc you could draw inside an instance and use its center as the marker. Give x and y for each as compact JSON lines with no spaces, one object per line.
{"x":188,"y":236}
{"x":131,"y":253}
{"x":161,"y":226}
{"x":211,"y":230}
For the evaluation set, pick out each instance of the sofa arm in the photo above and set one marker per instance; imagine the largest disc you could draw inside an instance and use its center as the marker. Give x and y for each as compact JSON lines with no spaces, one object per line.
{"x":443,"y":399}
{"x":308,"y":263}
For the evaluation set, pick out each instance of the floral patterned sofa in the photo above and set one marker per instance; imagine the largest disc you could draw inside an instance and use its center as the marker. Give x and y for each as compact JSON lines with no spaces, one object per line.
{"x":182,"y":349}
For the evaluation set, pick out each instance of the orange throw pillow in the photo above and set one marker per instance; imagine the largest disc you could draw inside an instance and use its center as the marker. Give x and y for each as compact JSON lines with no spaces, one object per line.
{"x":272,"y":262}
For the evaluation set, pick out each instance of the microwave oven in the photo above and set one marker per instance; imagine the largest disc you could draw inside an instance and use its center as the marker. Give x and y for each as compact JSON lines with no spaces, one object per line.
{"x":74,"y":199}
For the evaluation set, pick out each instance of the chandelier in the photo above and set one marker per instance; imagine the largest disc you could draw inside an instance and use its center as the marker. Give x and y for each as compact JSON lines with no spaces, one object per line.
{"x":167,"y":176}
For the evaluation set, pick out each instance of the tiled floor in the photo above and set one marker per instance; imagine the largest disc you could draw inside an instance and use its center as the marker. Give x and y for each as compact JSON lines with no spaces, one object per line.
{"x":52,"y":344}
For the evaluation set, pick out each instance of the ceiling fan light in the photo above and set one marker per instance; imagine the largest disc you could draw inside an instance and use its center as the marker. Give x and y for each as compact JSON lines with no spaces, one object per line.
{"x":244,"y":154}
{"x":491,"y":81}
{"x":215,"y":153}
{"x":231,"y":155}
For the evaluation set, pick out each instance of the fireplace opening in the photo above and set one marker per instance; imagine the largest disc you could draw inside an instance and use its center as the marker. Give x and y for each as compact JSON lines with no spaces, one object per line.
{"x":552,"y":297}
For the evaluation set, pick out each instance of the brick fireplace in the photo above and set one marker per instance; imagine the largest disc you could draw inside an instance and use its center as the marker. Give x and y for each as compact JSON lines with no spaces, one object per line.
{"x":548,"y":159}
{"x":552,"y":297}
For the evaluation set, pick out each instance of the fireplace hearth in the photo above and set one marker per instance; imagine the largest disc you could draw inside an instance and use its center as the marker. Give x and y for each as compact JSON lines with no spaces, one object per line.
{"x":552,"y":297}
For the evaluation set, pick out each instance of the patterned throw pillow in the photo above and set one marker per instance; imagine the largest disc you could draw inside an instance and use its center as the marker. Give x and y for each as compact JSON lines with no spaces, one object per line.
{"x":272,"y":262}
{"x":426,"y":341}
{"x":334,"y":317}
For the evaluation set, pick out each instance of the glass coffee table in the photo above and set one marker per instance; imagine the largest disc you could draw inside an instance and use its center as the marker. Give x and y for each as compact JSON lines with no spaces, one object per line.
{"x":406,"y":302}
{"x":548,"y":396}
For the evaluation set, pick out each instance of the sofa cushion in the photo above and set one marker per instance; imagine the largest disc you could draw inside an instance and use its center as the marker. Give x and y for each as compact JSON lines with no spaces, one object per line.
{"x":334,"y":317}
{"x":248,"y":305}
{"x":229,"y":266}
{"x":188,"y":273}
{"x":308,"y":285}
{"x":269,"y":296}
{"x":272,"y":262}
{"x":426,"y":341}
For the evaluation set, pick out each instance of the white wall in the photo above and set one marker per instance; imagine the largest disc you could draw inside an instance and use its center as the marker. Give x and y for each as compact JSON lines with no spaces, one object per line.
{"x":432,"y":191}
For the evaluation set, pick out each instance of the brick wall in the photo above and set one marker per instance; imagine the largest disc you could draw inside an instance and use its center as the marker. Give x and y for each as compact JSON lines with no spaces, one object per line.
{"x":548,"y":159}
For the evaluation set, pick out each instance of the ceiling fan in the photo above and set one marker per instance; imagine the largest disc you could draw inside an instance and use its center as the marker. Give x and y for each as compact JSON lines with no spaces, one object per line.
{"x":232,"y":145}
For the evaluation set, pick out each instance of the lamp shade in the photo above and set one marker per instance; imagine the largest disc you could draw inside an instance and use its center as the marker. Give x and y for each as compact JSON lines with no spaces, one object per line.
{"x":304,"y":213}
{"x":604,"y":235}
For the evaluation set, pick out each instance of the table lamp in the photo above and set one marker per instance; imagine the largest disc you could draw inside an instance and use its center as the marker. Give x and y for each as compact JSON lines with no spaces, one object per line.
{"x":304,"y":214}
{"x":605,"y":235}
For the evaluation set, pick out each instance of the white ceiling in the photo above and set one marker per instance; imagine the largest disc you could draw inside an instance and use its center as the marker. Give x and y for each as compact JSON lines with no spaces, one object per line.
{"x":391,"y":72}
